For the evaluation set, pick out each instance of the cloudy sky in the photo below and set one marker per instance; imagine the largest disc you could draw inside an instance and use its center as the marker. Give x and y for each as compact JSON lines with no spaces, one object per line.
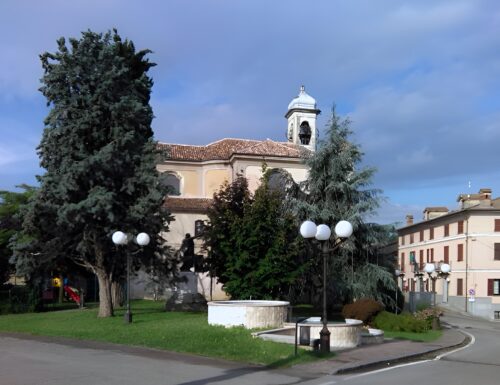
{"x":419,"y":79}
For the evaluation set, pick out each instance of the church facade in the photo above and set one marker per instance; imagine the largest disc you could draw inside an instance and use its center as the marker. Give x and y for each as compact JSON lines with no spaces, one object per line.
{"x":195,"y":173}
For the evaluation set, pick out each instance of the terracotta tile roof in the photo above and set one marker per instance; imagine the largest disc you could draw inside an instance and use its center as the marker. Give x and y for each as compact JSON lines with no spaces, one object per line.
{"x":197,"y":205}
{"x":225,"y":148}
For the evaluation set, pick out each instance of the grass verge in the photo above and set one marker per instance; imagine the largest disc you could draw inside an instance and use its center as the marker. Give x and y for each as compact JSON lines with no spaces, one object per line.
{"x":155,"y":328}
{"x":428,"y":336}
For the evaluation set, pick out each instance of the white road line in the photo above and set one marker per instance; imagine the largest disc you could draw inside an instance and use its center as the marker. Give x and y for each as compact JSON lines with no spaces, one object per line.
{"x":386,"y":369}
{"x":472,"y":341}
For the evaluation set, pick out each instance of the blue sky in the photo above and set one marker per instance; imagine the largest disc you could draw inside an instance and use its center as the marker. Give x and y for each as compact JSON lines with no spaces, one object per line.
{"x":419,"y":79}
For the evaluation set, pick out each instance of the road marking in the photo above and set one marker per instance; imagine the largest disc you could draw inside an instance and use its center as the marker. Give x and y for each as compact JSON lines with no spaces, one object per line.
{"x":386,"y":369}
{"x":472,"y":341}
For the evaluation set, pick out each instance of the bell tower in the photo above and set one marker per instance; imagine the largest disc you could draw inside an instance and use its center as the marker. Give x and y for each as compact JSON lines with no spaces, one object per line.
{"x":301,"y":115}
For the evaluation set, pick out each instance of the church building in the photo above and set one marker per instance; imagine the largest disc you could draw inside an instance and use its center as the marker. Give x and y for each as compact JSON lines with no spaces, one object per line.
{"x":195,"y":173}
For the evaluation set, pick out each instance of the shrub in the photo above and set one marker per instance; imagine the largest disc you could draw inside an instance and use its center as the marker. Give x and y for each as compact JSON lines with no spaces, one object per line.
{"x":428,"y":315}
{"x":24,"y":299}
{"x":364,"y":309}
{"x":404,"y":322}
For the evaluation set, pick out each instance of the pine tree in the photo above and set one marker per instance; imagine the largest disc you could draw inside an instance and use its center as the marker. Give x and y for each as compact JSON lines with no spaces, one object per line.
{"x":99,"y":155}
{"x":10,"y":225}
{"x":338,"y":189}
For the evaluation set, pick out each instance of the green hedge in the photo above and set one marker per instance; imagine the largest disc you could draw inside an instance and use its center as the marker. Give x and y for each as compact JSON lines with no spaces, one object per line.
{"x":404,"y":322}
{"x":19,"y":299}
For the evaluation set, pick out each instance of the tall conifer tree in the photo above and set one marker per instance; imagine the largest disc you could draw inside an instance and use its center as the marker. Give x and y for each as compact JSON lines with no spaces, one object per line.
{"x":99,"y":155}
{"x":337,"y":188}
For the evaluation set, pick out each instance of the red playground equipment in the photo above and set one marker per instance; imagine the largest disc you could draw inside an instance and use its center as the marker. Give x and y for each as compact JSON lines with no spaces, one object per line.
{"x":75,"y":297}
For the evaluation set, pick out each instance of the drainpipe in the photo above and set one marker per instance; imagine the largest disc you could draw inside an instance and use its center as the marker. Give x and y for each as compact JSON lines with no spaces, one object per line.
{"x":466,"y":261}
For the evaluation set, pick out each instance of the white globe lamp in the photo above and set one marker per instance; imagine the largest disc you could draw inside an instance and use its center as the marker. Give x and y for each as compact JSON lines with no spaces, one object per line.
{"x":323,"y":232}
{"x":343,"y":229}
{"x":142,"y":239}
{"x":308,"y":229}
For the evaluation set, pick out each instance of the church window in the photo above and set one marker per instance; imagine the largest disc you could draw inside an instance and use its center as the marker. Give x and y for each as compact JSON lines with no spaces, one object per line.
{"x":173,"y":182}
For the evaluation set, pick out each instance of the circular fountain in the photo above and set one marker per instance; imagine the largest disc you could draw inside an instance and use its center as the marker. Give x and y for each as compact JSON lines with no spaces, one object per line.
{"x":250,"y":314}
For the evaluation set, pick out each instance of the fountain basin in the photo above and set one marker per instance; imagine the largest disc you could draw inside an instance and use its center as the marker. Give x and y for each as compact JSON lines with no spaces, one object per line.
{"x":249,"y":314}
{"x":342,"y":335}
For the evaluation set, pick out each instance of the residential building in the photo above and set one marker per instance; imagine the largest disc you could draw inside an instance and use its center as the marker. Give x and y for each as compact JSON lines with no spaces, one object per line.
{"x":468,"y":240}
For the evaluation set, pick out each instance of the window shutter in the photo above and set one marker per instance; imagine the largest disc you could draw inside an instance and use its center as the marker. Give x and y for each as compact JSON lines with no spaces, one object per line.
{"x":497,"y":224}
{"x":497,"y":252}
{"x":421,"y":257}
{"x":431,"y":233}
{"x":447,"y":254}
{"x":421,"y":235}
{"x":460,"y":226}
{"x":460,"y":252}
{"x":460,"y":286}
{"x":432,"y":255}
{"x":490,"y":286}
{"x":446,"y":230}
{"x":402,"y":261}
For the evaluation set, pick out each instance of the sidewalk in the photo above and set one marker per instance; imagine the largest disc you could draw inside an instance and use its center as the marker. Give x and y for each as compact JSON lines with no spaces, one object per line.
{"x":385,"y":354}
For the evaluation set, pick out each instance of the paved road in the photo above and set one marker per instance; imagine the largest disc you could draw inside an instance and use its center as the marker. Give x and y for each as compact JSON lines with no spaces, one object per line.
{"x":38,"y":361}
{"x":35,"y":362}
{"x":477,"y":364}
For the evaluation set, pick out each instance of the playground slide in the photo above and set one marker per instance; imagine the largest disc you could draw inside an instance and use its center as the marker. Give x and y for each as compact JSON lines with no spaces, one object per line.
{"x":75,"y":297}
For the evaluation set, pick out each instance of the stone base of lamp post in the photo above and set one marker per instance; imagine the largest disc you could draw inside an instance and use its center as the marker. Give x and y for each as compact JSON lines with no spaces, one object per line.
{"x":324,"y":338}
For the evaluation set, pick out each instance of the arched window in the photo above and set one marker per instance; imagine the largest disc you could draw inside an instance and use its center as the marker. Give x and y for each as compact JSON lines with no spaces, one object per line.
{"x":279,"y":179}
{"x":305,"y":133}
{"x":173,"y":182}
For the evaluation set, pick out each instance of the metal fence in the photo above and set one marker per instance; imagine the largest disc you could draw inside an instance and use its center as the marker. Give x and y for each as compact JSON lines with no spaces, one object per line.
{"x":419,"y":300}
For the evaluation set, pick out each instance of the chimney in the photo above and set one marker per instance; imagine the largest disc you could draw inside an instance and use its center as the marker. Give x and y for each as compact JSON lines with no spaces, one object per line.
{"x":409,"y":219}
{"x":434,"y":212}
{"x":483,"y":199}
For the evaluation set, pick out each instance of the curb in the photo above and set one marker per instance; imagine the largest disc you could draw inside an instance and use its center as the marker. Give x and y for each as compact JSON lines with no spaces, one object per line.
{"x":430,"y":354}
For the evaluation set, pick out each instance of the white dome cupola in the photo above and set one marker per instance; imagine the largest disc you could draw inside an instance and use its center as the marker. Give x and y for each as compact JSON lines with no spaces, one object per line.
{"x":304,"y":100}
{"x":301,"y":115}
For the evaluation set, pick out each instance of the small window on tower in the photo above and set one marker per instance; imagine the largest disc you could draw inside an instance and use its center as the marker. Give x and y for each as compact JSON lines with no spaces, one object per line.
{"x":290,"y":133}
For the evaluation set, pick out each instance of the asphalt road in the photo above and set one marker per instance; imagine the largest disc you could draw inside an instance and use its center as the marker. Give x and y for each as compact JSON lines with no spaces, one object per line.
{"x":476,"y":364}
{"x":39,"y":361}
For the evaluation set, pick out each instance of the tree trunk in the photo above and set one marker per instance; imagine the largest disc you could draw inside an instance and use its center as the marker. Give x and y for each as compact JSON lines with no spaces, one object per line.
{"x":105,"y":299}
{"x":117,"y":295}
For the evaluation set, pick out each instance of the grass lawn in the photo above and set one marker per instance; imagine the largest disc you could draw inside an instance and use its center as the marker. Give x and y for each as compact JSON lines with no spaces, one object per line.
{"x":429,"y":336}
{"x":155,"y":328}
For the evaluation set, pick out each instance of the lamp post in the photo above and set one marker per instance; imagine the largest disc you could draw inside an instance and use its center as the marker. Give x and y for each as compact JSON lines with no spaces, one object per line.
{"x":121,"y":239}
{"x":399,"y":274}
{"x":322,"y":233}
{"x":429,"y":269}
{"x":444,"y":272}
